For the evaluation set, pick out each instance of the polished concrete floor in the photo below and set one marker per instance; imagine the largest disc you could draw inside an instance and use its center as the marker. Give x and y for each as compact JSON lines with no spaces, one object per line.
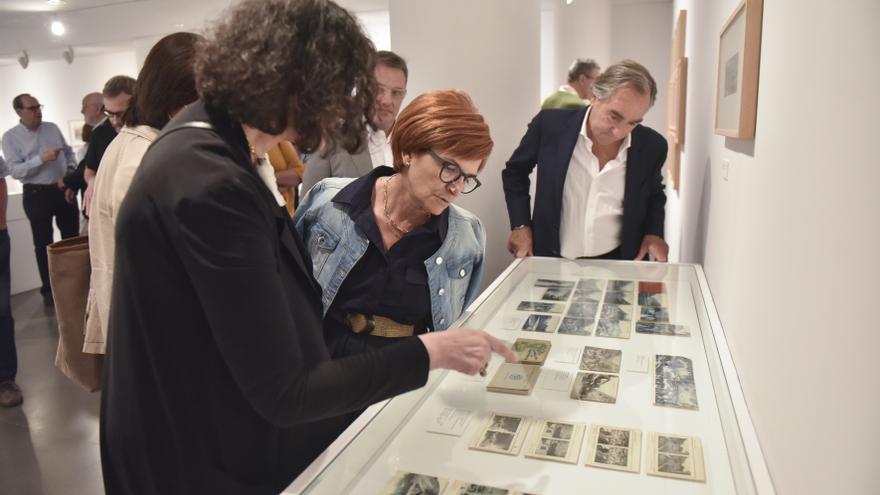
{"x":48,"y":445}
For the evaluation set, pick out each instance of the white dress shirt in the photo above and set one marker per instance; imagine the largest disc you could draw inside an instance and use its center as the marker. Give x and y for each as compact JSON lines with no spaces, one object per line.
{"x":592,"y":200}
{"x":380,"y":147}
{"x":22,"y":148}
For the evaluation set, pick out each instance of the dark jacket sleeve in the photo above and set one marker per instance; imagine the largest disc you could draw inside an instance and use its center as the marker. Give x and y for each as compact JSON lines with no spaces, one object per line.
{"x":229,"y":248}
{"x":656,"y":214}
{"x":515,"y":176}
{"x":76,"y":180}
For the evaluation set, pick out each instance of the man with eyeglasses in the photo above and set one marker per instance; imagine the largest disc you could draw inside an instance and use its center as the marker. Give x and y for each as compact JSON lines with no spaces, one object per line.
{"x":391,"y":74}
{"x":116,"y":94}
{"x":579,"y":90}
{"x":37,"y":155}
{"x":599,"y":191}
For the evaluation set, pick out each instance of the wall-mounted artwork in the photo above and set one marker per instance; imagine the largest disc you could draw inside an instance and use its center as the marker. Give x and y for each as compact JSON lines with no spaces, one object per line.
{"x":739,"y":57}
{"x":677,"y":100}
{"x":75,"y":129}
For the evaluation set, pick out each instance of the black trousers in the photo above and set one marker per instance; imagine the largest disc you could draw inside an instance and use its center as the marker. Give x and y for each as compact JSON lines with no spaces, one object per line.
{"x":42,"y":203}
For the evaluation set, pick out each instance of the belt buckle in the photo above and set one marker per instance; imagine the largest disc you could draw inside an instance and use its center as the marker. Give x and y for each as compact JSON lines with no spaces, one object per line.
{"x":360,"y":323}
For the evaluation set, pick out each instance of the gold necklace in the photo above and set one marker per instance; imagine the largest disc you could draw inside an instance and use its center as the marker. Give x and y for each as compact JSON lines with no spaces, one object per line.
{"x":396,"y":227}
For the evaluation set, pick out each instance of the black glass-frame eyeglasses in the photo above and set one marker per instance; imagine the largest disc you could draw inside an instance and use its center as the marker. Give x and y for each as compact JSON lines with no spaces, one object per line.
{"x":451,"y":172}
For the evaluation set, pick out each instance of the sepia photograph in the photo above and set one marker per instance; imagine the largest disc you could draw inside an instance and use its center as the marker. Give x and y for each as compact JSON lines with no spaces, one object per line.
{"x":674,"y":384}
{"x":618,"y":297}
{"x":618,"y":329}
{"x":556,"y":294}
{"x":404,"y":483}
{"x":654,"y":314}
{"x":576,"y":326}
{"x":531,"y":351}
{"x":614,"y":448}
{"x":502,"y":423}
{"x":555,"y":441}
{"x":496,"y":440}
{"x":616,"y":312}
{"x":561,"y":284}
{"x":502,"y":434}
{"x":591,"y":284}
{"x":674,"y":456}
{"x":595,"y":387}
{"x":652,"y":328}
{"x":600,"y":359}
{"x":540,"y":307}
{"x":540,"y":323}
{"x":583,"y":310}
{"x":587,"y":295}
{"x":465,"y":488}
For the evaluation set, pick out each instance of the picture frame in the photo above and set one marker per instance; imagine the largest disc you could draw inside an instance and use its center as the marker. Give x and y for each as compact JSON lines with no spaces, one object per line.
{"x":677,"y":101}
{"x":739,"y":57}
{"x":75,"y":132}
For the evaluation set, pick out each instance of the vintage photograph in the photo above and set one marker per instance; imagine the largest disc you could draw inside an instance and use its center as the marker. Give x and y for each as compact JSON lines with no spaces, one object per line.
{"x":618,"y":329}
{"x":616,"y":312}
{"x":556,"y":294}
{"x":465,"y":488}
{"x":620,"y":285}
{"x":540,"y":323}
{"x":662,"y":329}
{"x":560,"y":284}
{"x":502,"y":433}
{"x":540,"y":307}
{"x":587,"y":295}
{"x":576,"y":326}
{"x":514,"y":378}
{"x":655,"y":300}
{"x":600,"y":359}
{"x":583,"y":310}
{"x":404,"y":483}
{"x":655,"y":314}
{"x":595,"y":387}
{"x":614,"y":448}
{"x":531,"y":351}
{"x":618,"y":297}
{"x":555,"y":441}
{"x":674,"y":382}
{"x":674,"y":456}
{"x":591,"y":284}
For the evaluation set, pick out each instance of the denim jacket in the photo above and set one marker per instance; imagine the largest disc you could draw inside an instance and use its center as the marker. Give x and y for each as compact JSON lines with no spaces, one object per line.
{"x":336,"y":245}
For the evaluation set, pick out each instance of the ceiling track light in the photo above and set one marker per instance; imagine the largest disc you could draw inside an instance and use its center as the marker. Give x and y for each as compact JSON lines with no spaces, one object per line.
{"x":67,"y":54}
{"x":57,"y":27}
{"x":23,"y":59}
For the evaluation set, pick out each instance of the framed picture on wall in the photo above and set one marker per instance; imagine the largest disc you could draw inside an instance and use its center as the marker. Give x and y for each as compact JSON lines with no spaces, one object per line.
{"x":739,"y":57}
{"x":75,"y":133}
{"x":677,"y":100}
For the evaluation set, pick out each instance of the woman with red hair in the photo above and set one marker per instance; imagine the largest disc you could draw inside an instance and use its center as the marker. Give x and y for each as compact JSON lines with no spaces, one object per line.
{"x":393,"y":255}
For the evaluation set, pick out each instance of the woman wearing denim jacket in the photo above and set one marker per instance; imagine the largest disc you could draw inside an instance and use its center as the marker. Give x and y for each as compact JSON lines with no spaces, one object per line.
{"x":393,"y":255}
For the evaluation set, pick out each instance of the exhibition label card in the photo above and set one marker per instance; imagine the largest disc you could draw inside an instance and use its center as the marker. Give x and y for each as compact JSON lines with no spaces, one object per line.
{"x":637,"y":363}
{"x":558,"y":380}
{"x":450,"y":421}
{"x":567,"y":355}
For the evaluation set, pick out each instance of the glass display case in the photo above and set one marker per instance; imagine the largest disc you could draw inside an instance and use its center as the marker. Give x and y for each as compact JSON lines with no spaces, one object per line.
{"x":632,"y":390}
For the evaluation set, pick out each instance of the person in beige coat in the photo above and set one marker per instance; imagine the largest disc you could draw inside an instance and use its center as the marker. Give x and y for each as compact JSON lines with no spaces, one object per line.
{"x":164,"y":86}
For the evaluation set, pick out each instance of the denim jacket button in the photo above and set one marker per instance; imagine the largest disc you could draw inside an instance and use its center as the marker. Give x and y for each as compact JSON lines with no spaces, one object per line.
{"x":462,"y":273}
{"x":441,"y":291}
{"x":442,"y":321}
{"x":439,"y":260}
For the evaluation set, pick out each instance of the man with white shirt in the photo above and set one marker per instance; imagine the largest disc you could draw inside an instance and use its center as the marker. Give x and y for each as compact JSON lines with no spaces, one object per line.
{"x":38,"y":156}
{"x":391,"y":75}
{"x":579,"y":90}
{"x":600,"y":189}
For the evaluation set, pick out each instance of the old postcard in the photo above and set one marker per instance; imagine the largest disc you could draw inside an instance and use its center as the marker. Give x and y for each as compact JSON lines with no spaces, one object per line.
{"x":404,"y":483}
{"x":514,"y":378}
{"x":655,"y":300}
{"x":595,"y":387}
{"x":591,"y":284}
{"x":586,"y":295}
{"x":583,"y":310}
{"x":555,"y":441}
{"x":652,"y":287}
{"x":531,"y":351}
{"x":654,"y":314}
{"x":546,"y":282}
{"x":662,"y":329}
{"x":502,"y":433}
{"x":466,"y":488}
{"x":619,"y":297}
{"x":614,"y":448}
{"x":618,"y":329}
{"x":675,"y":456}
{"x":621,"y":285}
{"x":576,"y":326}
{"x":600,"y":359}
{"x":540,"y":307}
{"x":556,"y":294}
{"x":674,"y":384}
{"x":540,"y":323}
{"x":616,"y":312}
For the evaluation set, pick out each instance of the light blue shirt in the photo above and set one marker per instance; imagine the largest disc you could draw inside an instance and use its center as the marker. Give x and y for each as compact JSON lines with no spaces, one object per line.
{"x":4,"y":170}
{"x":22,"y":148}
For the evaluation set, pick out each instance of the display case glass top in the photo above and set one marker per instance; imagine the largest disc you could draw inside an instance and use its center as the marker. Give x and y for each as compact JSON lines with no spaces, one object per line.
{"x":623,"y":389}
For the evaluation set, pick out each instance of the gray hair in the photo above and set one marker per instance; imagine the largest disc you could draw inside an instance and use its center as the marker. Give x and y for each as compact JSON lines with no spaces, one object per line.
{"x":627,"y":73}
{"x":581,"y":67}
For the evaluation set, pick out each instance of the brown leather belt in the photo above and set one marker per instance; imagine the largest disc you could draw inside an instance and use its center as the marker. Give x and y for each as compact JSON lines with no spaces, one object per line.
{"x":378,"y":326}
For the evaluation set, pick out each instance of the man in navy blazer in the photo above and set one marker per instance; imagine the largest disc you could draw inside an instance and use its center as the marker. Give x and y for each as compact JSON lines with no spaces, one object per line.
{"x":599,"y":191}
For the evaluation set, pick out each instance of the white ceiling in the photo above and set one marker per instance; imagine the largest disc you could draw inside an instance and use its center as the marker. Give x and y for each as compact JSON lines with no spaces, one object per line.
{"x":103,"y":26}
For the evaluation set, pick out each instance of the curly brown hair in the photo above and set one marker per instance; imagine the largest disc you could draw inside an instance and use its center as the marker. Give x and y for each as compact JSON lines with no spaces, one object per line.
{"x":305,"y":64}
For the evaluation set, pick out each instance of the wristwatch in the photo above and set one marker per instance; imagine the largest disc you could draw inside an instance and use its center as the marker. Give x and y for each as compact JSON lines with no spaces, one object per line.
{"x":520,"y":227}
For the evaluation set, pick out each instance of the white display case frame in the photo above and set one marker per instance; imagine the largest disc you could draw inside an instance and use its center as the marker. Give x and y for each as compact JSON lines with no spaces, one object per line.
{"x":392,"y":436}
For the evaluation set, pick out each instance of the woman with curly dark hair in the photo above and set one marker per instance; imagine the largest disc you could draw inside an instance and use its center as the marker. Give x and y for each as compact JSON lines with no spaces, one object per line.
{"x":217,"y":378}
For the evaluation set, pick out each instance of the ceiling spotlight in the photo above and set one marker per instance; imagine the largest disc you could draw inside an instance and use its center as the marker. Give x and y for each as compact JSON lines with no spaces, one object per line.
{"x":56,"y":3}
{"x":57,"y":27}
{"x":67,"y":54}
{"x":568,"y":2}
{"x":23,"y":59}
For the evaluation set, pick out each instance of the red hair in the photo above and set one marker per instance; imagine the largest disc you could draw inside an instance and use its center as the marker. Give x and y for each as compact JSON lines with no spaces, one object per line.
{"x":444,"y":121}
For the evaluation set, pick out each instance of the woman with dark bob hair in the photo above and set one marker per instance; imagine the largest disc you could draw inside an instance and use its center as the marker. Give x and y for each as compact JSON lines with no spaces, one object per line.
{"x":394,"y":256}
{"x":164,"y":86}
{"x":217,"y":378}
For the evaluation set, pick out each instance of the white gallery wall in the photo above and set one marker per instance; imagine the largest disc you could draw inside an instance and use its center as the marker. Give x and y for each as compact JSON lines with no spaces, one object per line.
{"x":60,"y":87}
{"x":787,"y":238}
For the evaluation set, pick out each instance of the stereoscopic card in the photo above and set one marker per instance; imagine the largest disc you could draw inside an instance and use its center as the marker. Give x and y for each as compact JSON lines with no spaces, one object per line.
{"x":502,"y":434}
{"x":595,"y":387}
{"x":404,"y":483}
{"x":555,"y":441}
{"x":675,"y":456}
{"x":616,"y":448}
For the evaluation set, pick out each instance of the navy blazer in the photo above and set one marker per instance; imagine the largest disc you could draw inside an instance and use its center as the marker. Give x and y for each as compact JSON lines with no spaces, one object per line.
{"x":548,"y":144}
